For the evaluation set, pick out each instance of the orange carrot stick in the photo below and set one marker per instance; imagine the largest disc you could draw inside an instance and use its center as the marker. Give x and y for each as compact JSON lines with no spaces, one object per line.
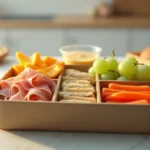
{"x":106,"y":94}
{"x":129,"y":87}
{"x":108,"y":91}
{"x":128,"y":96}
{"x":111,"y":90}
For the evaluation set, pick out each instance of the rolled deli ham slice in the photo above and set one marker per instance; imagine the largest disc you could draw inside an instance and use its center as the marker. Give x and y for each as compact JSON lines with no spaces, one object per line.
{"x":37,"y":94}
{"x":22,"y":87}
{"x":28,"y":85}
{"x":26,"y":74}
{"x":16,"y":96}
{"x":41,"y":81}
{"x":5,"y":90}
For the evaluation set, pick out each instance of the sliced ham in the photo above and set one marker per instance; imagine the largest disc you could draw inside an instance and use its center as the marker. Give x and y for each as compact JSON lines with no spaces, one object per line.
{"x":24,"y":84}
{"x":16,"y":96}
{"x":27,"y":73}
{"x":22,"y":87}
{"x":37,"y":94}
{"x":28,"y":85}
{"x":42,"y":81}
{"x":5,"y":90}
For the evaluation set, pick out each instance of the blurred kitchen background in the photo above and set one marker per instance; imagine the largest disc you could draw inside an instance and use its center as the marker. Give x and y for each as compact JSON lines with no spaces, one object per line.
{"x":46,"y":25}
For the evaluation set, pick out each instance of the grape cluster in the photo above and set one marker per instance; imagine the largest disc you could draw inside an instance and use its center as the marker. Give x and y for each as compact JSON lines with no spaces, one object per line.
{"x":129,"y":69}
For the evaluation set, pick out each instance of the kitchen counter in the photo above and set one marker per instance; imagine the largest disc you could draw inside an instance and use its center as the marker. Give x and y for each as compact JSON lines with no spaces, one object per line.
{"x":27,"y":140}
{"x":36,"y":140}
{"x":79,"y":22}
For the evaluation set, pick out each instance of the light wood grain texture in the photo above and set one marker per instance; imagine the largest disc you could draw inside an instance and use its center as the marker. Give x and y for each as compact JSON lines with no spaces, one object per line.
{"x":56,"y":116}
{"x":133,"y":7}
{"x":80,"y":22}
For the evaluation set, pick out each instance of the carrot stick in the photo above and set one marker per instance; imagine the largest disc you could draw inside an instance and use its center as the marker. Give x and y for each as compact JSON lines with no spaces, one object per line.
{"x":111,"y":90}
{"x":129,"y":87}
{"x":106,"y":94}
{"x":128,"y":96}
{"x":143,"y":101}
{"x":108,"y":91}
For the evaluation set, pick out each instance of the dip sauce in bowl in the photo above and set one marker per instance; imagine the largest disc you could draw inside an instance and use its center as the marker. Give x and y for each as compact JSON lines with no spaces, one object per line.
{"x":80,"y":54}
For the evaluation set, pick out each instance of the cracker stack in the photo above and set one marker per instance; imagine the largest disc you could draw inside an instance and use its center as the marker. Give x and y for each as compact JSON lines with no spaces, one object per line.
{"x":77,"y":87}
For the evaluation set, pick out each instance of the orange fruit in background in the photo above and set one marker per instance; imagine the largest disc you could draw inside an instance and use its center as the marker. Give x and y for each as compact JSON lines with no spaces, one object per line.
{"x":145,"y":53}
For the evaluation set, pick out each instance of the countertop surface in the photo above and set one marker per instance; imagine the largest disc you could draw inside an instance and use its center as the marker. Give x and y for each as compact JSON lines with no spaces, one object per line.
{"x":79,"y":22}
{"x":35,"y":140}
{"x":23,"y":140}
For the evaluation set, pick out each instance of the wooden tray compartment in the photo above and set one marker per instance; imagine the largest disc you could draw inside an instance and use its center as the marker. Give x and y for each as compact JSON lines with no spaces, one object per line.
{"x":10,"y":73}
{"x":104,"y":84}
{"x":56,"y":116}
{"x":83,"y":68}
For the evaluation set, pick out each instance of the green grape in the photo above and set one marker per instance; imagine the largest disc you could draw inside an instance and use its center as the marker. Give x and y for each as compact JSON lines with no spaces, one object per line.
{"x":143,"y":73}
{"x":92,"y":72}
{"x":112,"y":63}
{"x":116,"y":74}
{"x":122,"y":78}
{"x":107,"y":76}
{"x":127,"y":68}
{"x":133,"y":78}
{"x":100,"y":66}
{"x":131,"y":59}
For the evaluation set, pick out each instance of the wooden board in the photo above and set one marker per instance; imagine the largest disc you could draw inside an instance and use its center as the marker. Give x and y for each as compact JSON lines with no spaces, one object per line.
{"x":94,"y":117}
{"x":132,"y":7}
{"x":81,"y":22}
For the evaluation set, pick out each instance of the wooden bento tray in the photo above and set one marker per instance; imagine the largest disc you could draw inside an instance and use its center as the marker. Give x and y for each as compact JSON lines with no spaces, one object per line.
{"x":57,"y":116}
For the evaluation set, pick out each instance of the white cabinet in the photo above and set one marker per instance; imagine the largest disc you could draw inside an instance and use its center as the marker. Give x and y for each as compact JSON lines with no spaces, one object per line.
{"x":141,"y":39}
{"x":48,"y":41}
{"x":45,"y":41}
{"x":108,"y":39}
{"x":4,"y":38}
